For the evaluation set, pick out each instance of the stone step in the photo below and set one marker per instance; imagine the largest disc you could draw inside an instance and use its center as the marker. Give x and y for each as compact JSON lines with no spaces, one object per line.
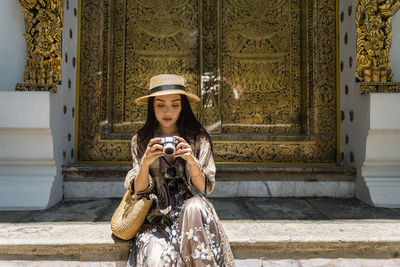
{"x":239,"y":263}
{"x":85,"y":241}
{"x":263,"y":231}
{"x":82,"y":181}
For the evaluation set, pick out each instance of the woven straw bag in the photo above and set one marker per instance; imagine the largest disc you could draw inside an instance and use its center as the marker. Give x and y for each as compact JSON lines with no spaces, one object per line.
{"x":130,"y":215}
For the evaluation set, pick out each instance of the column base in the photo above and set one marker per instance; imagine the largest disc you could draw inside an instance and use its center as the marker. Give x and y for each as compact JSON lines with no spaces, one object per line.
{"x":384,"y":185}
{"x":26,"y":187}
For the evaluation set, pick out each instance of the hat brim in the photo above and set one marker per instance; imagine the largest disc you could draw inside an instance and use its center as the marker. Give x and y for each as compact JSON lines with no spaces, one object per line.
{"x":191,"y":97}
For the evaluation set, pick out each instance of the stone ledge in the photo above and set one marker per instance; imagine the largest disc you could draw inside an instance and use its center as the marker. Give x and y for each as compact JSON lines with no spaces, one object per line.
{"x":225,"y":173}
{"x":340,"y":262}
{"x":285,"y":173}
{"x":249,"y":240}
{"x":106,"y":181}
{"x":228,"y":189}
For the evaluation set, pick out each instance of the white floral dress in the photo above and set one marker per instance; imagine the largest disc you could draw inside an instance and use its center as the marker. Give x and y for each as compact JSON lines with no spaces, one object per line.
{"x":182,"y":227}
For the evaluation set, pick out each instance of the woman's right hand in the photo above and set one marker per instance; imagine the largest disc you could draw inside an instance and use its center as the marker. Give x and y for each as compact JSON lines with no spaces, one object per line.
{"x":153,"y":151}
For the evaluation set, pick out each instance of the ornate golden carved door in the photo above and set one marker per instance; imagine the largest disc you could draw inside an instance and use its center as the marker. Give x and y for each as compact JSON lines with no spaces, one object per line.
{"x":265,"y":70}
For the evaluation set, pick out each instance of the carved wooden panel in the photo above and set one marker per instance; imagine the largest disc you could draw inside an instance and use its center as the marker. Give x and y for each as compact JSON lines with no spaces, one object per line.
{"x":265,"y":71}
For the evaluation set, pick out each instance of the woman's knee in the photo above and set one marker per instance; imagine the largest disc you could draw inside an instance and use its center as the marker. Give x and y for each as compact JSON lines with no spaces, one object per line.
{"x":195,"y":205}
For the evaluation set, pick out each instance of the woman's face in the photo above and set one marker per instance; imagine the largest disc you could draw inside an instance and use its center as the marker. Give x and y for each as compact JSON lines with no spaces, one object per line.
{"x":167,"y":109}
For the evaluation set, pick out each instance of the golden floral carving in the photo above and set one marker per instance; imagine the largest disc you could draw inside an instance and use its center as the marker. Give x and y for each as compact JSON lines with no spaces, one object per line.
{"x":374,"y":38}
{"x":283,"y":70}
{"x":43,"y":26}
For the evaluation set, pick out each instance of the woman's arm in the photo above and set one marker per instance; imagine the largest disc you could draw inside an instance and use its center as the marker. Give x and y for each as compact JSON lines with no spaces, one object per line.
{"x":138,"y":179}
{"x":201,"y":168}
{"x":142,"y":181}
{"x":197,"y":176}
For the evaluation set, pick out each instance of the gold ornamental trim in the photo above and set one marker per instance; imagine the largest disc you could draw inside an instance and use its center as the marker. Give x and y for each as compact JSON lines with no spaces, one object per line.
{"x":374,"y":38}
{"x":377,"y":87}
{"x":43,"y":26}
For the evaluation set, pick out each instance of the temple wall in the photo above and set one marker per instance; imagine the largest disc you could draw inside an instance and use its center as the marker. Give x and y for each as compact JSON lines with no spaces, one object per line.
{"x":12,"y":44}
{"x":395,"y":49}
{"x":360,"y":112}
{"x":36,"y":128}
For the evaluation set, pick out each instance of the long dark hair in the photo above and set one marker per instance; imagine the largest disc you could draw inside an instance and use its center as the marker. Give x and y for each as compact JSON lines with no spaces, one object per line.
{"x":188,"y":125}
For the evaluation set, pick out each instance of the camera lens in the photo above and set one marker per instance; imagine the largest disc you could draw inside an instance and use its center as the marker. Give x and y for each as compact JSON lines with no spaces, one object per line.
{"x":169,"y":149}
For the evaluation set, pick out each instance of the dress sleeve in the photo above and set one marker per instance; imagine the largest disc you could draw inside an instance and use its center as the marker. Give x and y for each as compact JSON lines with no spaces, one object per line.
{"x":205,"y":160}
{"x":131,"y":175}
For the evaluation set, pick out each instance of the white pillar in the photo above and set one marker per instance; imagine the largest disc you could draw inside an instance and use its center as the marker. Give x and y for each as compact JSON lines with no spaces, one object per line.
{"x":28,"y":172}
{"x":381,"y":168}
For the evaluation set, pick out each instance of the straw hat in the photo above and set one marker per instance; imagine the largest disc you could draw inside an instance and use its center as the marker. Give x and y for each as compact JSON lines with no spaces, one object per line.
{"x":167,"y":84}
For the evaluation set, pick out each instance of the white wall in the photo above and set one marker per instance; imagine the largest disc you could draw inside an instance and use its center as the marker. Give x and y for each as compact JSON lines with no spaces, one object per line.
{"x":362,"y":106}
{"x":12,"y":44}
{"x":63,"y":123}
{"x":17,"y":172}
{"x":395,"y":49}
{"x":353,"y":101}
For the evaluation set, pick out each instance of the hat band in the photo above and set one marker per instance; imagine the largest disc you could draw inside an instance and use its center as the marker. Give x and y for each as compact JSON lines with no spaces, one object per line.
{"x":167,"y":87}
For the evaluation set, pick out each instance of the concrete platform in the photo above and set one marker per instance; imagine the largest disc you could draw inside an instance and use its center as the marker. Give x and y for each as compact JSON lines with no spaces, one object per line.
{"x":263,"y":230}
{"x":106,"y":181}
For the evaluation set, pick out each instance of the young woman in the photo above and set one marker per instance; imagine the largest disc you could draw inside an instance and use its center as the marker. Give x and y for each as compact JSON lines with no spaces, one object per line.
{"x":181,"y":228}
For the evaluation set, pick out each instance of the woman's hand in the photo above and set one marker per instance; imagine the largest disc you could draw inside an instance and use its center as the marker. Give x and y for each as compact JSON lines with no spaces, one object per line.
{"x":153,"y":151}
{"x":184,"y":150}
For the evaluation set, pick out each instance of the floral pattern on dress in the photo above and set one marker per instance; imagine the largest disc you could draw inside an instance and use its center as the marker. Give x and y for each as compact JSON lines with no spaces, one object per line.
{"x":189,"y":232}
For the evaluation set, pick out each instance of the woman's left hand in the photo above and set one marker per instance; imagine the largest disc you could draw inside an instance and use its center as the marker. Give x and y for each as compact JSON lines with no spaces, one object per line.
{"x":184,"y":150}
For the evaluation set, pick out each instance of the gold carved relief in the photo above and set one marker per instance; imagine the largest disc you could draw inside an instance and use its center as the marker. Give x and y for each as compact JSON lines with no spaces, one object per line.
{"x":265,"y":71}
{"x":261,"y":67}
{"x":43,"y":26}
{"x":374,"y":38}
